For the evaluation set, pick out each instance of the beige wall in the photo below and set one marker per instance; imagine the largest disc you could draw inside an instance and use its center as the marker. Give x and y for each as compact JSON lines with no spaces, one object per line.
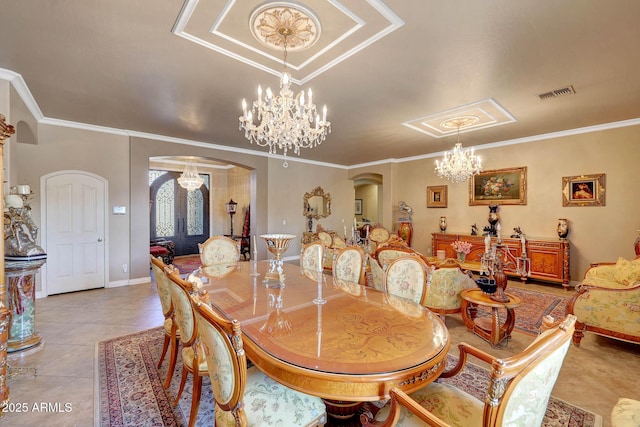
{"x":286,"y":198}
{"x":106,"y":155}
{"x":596,"y":233}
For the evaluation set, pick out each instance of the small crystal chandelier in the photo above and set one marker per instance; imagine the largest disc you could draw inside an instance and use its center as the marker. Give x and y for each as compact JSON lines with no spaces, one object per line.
{"x":190,"y":178}
{"x":284,"y":121}
{"x":459,"y":165}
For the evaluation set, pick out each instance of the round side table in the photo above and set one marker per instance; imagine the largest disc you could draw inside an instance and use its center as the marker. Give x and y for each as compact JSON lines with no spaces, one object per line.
{"x":488,"y":328}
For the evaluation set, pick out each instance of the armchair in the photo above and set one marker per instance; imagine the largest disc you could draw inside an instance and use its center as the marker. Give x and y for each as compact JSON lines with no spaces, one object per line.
{"x":447,"y":281}
{"x":518,"y":392}
{"x":607,"y":302}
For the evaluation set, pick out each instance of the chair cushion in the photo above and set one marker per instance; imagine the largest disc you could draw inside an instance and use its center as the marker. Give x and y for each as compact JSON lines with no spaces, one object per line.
{"x":626,"y":413}
{"x":452,"y":405}
{"x":268,"y":403}
{"x":348,"y":266}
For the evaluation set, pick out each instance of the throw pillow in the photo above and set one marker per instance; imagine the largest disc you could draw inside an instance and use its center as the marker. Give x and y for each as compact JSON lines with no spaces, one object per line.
{"x":627,"y":273}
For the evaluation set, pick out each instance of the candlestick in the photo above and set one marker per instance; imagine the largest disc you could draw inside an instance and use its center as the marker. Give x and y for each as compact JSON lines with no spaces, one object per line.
{"x":255,"y":245}
{"x":487,"y":242}
{"x":319,"y":300}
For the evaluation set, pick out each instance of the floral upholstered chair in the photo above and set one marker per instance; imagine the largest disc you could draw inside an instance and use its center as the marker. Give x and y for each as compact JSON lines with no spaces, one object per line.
{"x":219,"y":250}
{"x":443,"y":290}
{"x":311,"y":256}
{"x":518,"y":392}
{"x":171,"y":334}
{"x":375,"y":274}
{"x":607,"y":302}
{"x":329,"y":251}
{"x":247,"y":397}
{"x":407,"y":277}
{"x":349,"y":264}
{"x":184,"y":317}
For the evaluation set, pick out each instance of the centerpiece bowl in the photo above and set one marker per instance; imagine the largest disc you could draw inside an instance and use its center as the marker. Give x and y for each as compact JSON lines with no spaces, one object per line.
{"x":277,"y":244}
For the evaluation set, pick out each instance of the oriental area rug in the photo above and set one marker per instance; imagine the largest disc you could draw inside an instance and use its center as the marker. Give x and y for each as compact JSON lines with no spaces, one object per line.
{"x":129,"y":389}
{"x":534,"y":306}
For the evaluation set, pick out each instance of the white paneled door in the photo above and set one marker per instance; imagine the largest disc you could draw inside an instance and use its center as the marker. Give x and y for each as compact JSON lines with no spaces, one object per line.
{"x":75,"y":232}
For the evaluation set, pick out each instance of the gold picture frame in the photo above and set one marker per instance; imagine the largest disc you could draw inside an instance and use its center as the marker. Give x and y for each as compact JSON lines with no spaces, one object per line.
{"x":584,"y":190}
{"x":499,"y":187}
{"x":437,"y":196}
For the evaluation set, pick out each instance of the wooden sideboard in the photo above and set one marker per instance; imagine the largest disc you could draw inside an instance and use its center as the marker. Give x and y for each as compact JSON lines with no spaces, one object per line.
{"x":549,"y":257}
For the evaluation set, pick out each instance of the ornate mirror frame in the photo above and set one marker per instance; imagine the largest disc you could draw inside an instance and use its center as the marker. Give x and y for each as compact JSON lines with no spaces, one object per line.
{"x":306,"y":209}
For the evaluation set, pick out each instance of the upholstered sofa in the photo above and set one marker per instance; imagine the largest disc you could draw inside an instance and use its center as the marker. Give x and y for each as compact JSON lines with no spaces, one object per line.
{"x":607,"y":301}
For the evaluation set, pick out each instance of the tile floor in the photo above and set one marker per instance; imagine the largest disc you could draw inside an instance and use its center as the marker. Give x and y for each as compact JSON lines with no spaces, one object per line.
{"x":593,"y":376}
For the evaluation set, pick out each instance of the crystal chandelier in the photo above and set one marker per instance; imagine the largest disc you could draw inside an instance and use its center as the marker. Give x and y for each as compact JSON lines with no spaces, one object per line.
{"x":190,"y":178}
{"x":459,"y":165}
{"x":284,"y":121}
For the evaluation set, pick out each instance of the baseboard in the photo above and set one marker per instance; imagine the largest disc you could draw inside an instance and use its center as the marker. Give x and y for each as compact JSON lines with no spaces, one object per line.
{"x":138,"y":281}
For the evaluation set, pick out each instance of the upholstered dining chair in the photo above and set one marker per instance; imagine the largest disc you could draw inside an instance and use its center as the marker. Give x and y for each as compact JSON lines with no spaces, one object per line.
{"x":219,"y":250}
{"x":312,"y":255}
{"x":171,"y":334}
{"x":443,"y":290}
{"x":406,"y":277}
{"x":236,"y":387}
{"x":186,"y":322}
{"x":349,"y":264}
{"x":376,"y":273}
{"x":517,"y":395}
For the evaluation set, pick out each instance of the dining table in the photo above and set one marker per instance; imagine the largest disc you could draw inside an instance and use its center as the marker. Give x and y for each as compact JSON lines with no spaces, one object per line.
{"x":341,"y":341}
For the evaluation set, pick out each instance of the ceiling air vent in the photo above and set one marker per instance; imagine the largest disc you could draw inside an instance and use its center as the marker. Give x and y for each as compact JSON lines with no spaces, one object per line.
{"x":569,"y":90}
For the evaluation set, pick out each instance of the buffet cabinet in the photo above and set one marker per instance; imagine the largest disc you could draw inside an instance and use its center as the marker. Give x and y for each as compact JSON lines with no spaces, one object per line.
{"x":549,"y":257}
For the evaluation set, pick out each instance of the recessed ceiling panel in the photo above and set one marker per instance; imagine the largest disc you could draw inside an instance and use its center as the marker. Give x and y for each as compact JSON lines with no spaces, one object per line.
{"x":224,"y":27}
{"x":488,"y":113}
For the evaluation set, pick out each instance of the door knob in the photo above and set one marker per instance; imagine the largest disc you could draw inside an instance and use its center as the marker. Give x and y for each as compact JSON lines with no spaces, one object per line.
{"x":99,"y":239}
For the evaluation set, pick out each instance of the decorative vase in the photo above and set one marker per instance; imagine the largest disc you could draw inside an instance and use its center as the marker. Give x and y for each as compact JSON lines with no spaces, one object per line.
{"x":405,"y":231}
{"x":461,"y":257}
{"x":563,"y":228}
{"x":443,"y":223}
{"x":493,"y":220}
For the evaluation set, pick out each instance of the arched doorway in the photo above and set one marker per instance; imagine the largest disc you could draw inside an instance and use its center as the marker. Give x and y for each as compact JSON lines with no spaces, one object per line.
{"x":368,"y":189}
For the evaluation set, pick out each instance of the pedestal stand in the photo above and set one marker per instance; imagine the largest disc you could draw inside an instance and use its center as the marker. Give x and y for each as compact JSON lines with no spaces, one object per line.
{"x":21,"y":286}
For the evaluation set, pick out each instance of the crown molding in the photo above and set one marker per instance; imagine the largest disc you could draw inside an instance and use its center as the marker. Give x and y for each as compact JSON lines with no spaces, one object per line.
{"x":21,"y":88}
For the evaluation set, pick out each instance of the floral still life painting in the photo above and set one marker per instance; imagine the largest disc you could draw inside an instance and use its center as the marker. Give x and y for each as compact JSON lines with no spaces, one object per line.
{"x":501,"y":186}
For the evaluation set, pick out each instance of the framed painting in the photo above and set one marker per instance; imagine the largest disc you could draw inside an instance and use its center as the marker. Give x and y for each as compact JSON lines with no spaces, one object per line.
{"x":437,"y":196}
{"x":583,"y":190}
{"x":358,"y":206}
{"x":499,"y":187}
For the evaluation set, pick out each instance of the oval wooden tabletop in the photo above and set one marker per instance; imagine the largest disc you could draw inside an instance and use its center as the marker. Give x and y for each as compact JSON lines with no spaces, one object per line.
{"x":353,"y":346}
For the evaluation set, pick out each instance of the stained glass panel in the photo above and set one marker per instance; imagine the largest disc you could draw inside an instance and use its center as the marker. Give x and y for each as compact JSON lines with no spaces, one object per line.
{"x":195,"y":225}
{"x":165,"y":210}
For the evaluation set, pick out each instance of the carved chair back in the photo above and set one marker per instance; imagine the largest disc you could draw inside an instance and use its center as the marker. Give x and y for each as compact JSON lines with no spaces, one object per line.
{"x":219,"y":250}
{"x":407,"y":277}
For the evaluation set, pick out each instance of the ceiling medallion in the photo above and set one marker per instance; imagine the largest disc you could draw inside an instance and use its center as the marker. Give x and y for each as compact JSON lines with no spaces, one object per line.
{"x":460,"y":122}
{"x":284,"y":121}
{"x":281,"y":24}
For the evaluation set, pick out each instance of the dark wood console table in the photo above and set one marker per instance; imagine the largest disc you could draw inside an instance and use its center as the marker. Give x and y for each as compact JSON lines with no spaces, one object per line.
{"x":549,"y":257}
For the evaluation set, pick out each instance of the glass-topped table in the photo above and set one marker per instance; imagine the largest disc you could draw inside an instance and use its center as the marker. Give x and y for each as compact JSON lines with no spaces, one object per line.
{"x":353,"y":347}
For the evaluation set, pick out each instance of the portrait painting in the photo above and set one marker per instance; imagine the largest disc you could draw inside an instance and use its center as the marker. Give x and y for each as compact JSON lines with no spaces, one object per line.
{"x":583,"y":190}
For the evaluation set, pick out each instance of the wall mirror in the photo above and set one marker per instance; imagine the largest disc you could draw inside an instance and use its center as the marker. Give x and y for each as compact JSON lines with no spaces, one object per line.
{"x":317,"y":204}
